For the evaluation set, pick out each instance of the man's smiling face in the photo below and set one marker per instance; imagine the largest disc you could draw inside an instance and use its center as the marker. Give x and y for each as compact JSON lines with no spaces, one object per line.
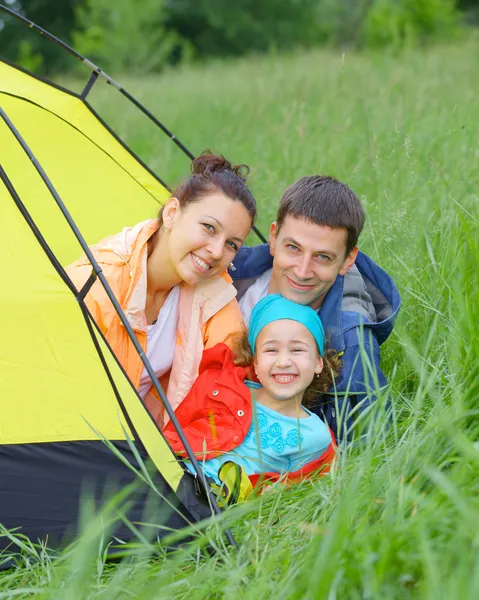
{"x":307,"y":259}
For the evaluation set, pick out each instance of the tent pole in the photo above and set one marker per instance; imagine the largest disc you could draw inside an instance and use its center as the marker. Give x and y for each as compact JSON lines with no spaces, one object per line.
{"x":100,"y":72}
{"x":121,"y":314}
{"x":111,"y":82}
{"x":85,"y":312}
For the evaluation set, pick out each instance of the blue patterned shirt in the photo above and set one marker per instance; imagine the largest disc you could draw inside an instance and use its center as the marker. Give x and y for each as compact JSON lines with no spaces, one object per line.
{"x":274,"y":443}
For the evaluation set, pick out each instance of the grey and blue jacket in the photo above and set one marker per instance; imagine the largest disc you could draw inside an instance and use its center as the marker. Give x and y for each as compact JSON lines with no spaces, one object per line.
{"x":358,"y":315}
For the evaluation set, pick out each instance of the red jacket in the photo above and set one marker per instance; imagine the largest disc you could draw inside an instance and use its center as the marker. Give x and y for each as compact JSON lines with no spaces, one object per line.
{"x":216,"y":414}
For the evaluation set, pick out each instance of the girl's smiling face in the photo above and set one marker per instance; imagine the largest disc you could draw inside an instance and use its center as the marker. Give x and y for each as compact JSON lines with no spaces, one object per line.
{"x":286,"y":359}
{"x":205,"y":235}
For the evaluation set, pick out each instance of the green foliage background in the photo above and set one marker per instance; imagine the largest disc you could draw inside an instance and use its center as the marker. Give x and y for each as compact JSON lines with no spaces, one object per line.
{"x":133,"y":36}
{"x":398,"y":518}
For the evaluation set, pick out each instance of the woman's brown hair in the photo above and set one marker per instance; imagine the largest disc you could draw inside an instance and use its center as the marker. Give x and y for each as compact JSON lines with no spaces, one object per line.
{"x":322,"y":383}
{"x":212,"y":173}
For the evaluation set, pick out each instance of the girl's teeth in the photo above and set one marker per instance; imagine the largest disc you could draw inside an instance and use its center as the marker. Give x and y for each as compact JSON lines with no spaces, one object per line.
{"x":284,"y":378}
{"x":200,"y":262}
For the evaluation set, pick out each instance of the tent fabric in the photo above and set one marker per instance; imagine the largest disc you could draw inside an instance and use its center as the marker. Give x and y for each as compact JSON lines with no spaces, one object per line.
{"x":103,"y":185}
{"x":57,"y":400}
{"x":44,"y":486}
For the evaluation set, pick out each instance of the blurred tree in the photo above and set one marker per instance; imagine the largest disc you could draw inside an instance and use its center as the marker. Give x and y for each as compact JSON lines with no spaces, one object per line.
{"x":342,"y":21}
{"x":218,"y":28}
{"x":125,"y":35}
{"x":465,"y":4}
{"x":122,"y":35}
{"x":30,"y":49}
{"x":471,"y":10}
{"x":409,"y":22}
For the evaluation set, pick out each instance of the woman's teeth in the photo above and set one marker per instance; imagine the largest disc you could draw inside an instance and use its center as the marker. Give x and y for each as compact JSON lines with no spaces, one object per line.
{"x":200,"y":263}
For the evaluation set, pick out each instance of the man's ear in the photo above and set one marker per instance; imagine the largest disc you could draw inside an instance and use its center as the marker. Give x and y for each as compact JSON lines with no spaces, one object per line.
{"x":349,"y":261}
{"x":272,"y":237}
{"x":171,"y":211}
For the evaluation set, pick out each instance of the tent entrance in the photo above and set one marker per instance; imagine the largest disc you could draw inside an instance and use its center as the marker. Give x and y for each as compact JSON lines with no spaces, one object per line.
{"x":60,"y":381}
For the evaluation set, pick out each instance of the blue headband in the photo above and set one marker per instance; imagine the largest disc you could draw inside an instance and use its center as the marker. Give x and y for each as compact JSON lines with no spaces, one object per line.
{"x":274,"y":308}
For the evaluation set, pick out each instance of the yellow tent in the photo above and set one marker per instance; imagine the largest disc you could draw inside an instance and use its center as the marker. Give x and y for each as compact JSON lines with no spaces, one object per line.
{"x":60,"y":384}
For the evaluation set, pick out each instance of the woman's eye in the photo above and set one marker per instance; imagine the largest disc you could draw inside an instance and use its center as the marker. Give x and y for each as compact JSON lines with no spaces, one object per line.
{"x":208,"y":227}
{"x":233,"y":246}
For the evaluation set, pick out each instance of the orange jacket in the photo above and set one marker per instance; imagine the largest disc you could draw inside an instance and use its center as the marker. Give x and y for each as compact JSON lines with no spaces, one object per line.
{"x":208,"y":313}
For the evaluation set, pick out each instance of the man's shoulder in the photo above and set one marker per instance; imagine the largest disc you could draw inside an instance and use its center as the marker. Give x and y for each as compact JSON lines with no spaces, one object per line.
{"x":251,"y":262}
{"x":384,"y":295}
{"x":365,"y":297}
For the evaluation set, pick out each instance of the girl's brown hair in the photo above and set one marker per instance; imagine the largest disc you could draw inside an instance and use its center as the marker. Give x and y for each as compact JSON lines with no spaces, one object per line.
{"x":322,"y":383}
{"x":211,"y":173}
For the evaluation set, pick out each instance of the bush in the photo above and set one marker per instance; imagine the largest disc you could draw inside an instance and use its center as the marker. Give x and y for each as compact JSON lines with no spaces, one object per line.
{"x":29,"y":49}
{"x":125,"y":35}
{"x":223,"y":28}
{"x":409,"y":22}
{"x":219,"y":28}
{"x":342,"y":20}
{"x":28,"y":58}
{"x":128,"y":35}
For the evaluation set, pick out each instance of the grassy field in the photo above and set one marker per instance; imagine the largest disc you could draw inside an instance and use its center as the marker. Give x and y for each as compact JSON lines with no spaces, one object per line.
{"x":399,"y":518}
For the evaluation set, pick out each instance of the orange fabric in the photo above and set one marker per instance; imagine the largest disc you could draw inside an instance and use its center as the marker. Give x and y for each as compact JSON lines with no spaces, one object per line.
{"x":209,"y":414}
{"x":216,"y":417}
{"x":208,"y":313}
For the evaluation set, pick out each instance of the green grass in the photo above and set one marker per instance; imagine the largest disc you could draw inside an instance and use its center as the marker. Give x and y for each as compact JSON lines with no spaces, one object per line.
{"x":398,"y":519}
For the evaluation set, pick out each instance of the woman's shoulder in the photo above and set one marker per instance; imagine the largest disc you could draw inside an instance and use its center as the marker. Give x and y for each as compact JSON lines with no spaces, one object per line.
{"x":129,"y":241}
{"x":119,"y":247}
{"x":226,"y":277}
{"x":210,"y":289}
{"x":118,"y":257}
{"x":214,"y":303}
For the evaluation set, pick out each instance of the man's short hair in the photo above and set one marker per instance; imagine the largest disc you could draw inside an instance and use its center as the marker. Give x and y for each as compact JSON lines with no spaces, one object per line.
{"x":325,"y":201}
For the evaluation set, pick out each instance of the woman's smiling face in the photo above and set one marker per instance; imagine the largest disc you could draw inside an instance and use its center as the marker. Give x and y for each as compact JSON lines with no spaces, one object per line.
{"x":205,"y":235}
{"x":286,"y":359}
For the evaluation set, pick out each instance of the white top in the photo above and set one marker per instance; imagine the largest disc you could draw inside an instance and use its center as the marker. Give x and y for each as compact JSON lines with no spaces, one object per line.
{"x":254,"y":294}
{"x":161,"y":341}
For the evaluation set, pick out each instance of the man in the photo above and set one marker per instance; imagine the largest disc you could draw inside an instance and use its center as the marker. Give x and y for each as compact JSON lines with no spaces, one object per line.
{"x":313,"y":258}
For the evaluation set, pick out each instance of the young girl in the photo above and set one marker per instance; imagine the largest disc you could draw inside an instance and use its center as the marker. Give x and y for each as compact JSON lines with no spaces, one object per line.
{"x":262,"y":427}
{"x":169,"y":275}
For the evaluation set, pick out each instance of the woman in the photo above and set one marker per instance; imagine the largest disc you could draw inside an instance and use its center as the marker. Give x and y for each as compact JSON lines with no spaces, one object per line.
{"x":169,"y":275}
